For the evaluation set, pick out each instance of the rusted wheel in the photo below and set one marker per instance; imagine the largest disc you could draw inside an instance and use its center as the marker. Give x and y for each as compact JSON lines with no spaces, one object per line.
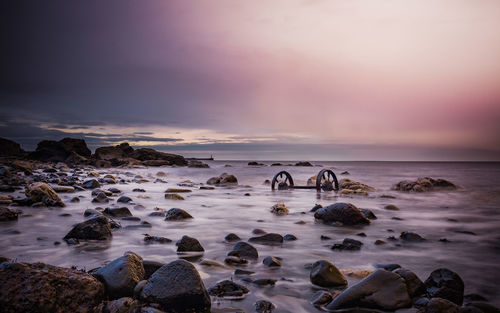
{"x":326,"y":180}
{"x":283,"y":180}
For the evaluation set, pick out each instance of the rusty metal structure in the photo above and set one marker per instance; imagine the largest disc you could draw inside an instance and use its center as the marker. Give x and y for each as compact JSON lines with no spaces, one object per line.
{"x":325,"y":180}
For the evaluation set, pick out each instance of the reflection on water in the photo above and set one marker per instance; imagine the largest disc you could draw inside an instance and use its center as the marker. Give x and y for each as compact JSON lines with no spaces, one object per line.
{"x":469,"y":219}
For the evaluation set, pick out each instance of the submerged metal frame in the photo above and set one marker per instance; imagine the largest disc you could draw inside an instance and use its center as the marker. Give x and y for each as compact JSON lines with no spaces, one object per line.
{"x":325,"y":180}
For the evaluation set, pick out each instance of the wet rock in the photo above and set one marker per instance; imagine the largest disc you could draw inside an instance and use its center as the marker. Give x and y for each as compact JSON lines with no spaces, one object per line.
{"x":446,"y":284}
{"x":97,"y":228}
{"x":117,"y":212}
{"x":267,"y":182}
{"x":40,"y":287}
{"x":414,"y":285}
{"x":114,"y":190}
{"x":7,"y":214}
{"x":212,"y":263}
{"x":303,"y":163}
{"x":197,"y":164}
{"x":156,"y":239}
{"x":271,"y":261}
{"x":321,"y":298}
{"x":149,"y":156}
{"x":124,"y":199}
{"x":234,"y":260}
{"x":244,"y":250}
{"x":150,"y":267}
{"x":391,"y":207}
{"x":121,"y":275}
{"x":348,"y":244}
{"x":228,"y":289}
{"x":484,"y":307}
{"x":344,"y":213}
{"x":279,"y":209}
{"x":232,"y":237}
{"x":438,"y":305}
{"x":89,"y":212}
{"x":389,"y":266}
{"x":264,"y":306}
{"x":122,"y":305}
{"x":61,"y":189}
{"x":263,"y":281}
{"x":316,"y":208}
{"x":207,"y":188}
{"x":242,"y":272}
{"x":95,"y":192}
{"x":189,"y":244}
{"x":354,"y":187}
{"x":412,"y":237}
{"x":425,"y":184}
{"x":258,"y":231}
{"x":368,"y":214}
{"x":91,"y":184}
{"x":66,"y":150}
{"x":42,"y":192}
{"x":325,"y":274}
{"x":177,"y":287}
{"x":289,"y":237}
{"x":270,"y":238}
{"x":176,"y":214}
{"x":224,"y":179}
{"x":173,"y":196}
{"x":100,"y":198}
{"x":381,"y":290}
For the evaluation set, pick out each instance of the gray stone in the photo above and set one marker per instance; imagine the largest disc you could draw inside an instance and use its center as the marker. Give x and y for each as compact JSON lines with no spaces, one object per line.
{"x":244,"y":250}
{"x":325,"y":274}
{"x":344,"y":213}
{"x":446,"y":284}
{"x":96,"y":228}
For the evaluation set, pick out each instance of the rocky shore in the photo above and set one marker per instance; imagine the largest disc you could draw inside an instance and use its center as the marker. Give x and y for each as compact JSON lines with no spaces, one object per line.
{"x":45,"y":177}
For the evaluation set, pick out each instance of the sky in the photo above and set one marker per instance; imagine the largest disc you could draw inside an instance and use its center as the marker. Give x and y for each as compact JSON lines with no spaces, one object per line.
{"x":261,"y":80}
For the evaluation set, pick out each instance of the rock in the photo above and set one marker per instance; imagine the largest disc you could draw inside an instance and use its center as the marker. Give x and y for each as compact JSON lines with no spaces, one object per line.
{"x":59,"y":151}
{"x":122,"y":305}
{"x":271,"y":261}
{"x":116,"y":152}
{"x":177,"y":190}
{"x":147,"y":154}
{"x":348,"y":244}
{"x":9,"y":148}
{"x":304,"y":163}
{"x":244,"y":250}
{"x":425,"y":184}
{"x":189,"y":244}
{"x":258,"y":231}
{"x":325,"y":274}
{"x":389,"y":266}
{"x":100,"y":198}
{"x":229,"y":290}
{"x":484,"y":307}
{"x":380,"y":290}
{"x":368,"y":214}
{"x":354,"y":186}
{"x":117,"y":212}
{"x":223,"y":179}
{"x":42,"y":192}
{"x":150,"y":267}
{"x":321,"y":298}
{"x":446,"y":284}
{"x":7,"y":214}
{"x":279,"y":209}
{"x":60,"y":189}
{"x":409,"y":236}
{"x":391,"y":207}
{"x":270,"y":238}
{"x":173,"y":196}
{"x":232,"y":237}
{"x":438,"y":305}
{"x":91,"y":184}
{"x":254,"y":163}
{"x":414,"y":285}
{"x":176,"y":214}
{"x":121,"y":275}
{"x":40,"y":287}
{"x":156,"y":239}
{"x":97,"y":228}
{"x":263,"y":306}
{"x":316,"y":208}
{"x":344,"y":213}
{"x":124,"y":199}
{"x":177,"y":287}
{"x":197,"y":164}
{"x":233,"y":260}
{"x":289,"y":237}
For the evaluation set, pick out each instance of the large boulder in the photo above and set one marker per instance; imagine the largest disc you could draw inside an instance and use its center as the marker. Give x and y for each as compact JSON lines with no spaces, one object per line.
{"x":42,"y":192}
{"x":146,"y":154}
{"x":113,"y":152}
{"x":382,"y":290}
{"x":446,"y":284}
{"x":345,"y":213}
{"x":189,"y":244}
{"x":10,"y":148}
{"x":60,"y":151}
{"x":223,"y":179}
{"x":121,"y":275}
{"x":424,"y":184}
{"x":325,"y":274}
{"x":40,"y":287}
{"x":351,"y":187}
{"x":96,"y":228}
{"x":177,"y":287}
{"x":414,"y":285}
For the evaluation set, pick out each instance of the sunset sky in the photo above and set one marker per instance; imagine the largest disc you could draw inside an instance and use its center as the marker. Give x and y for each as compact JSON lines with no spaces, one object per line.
{"x":267,"y":80}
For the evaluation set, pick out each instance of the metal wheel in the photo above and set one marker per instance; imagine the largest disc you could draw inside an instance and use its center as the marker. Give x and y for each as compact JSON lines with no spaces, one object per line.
{"x":326,"y":180}
{"x":283,"y":180}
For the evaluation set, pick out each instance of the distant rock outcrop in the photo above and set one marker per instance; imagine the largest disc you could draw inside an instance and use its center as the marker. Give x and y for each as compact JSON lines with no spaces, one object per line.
{"x":10,"y":148}
{"x":61,"y":151}
{"x":124,"y":154}
{"x":424,"y":184}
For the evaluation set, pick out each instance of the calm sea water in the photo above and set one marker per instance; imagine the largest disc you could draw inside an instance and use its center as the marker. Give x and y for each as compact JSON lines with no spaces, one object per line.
{"x":475,"y":210}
